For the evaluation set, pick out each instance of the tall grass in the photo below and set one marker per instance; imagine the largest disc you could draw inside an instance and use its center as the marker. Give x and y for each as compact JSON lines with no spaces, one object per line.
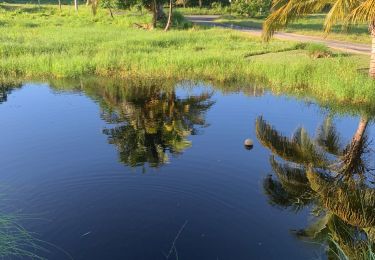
{"x":45,"y":43}
{"x":15,"y":241}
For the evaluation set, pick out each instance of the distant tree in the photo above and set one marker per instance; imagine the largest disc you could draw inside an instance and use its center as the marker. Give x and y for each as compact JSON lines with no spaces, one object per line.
{"x":341,"y":11}
{"x":108,"y":4}
{"x":153,"y":6}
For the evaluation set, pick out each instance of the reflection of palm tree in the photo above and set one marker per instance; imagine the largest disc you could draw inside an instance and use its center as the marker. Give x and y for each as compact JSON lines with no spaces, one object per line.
{"x":5,"y":90}
{"x":345,"y":205}
{"x":150,"y":122}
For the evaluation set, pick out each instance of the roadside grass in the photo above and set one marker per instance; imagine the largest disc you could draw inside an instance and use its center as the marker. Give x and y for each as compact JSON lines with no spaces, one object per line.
{"x":311,"y":25}
{"x":46,"y":44}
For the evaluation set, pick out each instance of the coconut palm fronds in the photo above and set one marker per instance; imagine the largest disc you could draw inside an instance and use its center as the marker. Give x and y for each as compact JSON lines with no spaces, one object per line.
{"x":278,"y":196}
{"x":284,"y":12}
{"x":292,"y":179}
{"x":352,"y":203}
{"x":299,"y":149}
{"x":328,"y":138}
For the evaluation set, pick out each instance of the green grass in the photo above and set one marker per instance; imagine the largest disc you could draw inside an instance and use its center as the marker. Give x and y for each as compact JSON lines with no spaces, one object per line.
{"x":44,"y":43}
{"x":311,"y":25}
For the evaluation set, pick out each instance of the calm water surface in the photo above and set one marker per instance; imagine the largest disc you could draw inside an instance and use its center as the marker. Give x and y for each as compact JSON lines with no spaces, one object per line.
{"x":101,"y":172}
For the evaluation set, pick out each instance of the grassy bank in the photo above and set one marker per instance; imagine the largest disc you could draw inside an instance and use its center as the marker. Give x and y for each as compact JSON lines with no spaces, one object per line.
{"x":45,"y":43}
{"x":310,"y":25}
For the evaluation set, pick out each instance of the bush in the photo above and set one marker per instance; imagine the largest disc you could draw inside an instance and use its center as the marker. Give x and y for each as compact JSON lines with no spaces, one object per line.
{"x":251,"y":8}
{"x":317,"y":50}
{"x":117,"y":4}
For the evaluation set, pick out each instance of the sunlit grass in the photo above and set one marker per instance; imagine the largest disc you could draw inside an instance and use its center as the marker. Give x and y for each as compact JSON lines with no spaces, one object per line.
{"x":46,"y":43}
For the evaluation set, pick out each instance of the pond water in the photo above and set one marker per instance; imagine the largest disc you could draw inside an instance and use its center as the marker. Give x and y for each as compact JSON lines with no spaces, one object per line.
{"x":97,"y":171}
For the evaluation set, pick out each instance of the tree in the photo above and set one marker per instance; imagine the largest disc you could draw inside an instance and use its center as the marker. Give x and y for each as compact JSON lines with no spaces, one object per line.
{"x":108,"y":4}
{"x":153,"y":6}
{"x":345,"y":11}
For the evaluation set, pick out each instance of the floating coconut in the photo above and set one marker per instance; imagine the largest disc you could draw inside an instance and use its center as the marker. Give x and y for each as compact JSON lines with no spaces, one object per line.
{"x":249,"y":144}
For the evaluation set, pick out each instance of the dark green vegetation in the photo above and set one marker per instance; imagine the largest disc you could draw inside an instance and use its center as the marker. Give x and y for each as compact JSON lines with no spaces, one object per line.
{"x":242,"y":8}
{"x":329,"y":177}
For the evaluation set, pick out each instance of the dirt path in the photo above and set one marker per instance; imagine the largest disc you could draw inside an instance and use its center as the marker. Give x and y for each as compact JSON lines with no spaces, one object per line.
{"x":358,"y":48}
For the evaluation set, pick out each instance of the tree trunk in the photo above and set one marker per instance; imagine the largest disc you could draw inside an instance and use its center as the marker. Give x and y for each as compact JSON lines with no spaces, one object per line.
{"x":358,"y":136}
{"x":200,"y":3}
{"x":372,"y":61}
{"x":154,"y":14}
{"x":169,"y":22}
{"x":60,"y":5}
{"x":110,"y":12}
{"x":87,"y":2}
{"x":160,"y":11}
{"x":352,"y":157}
{"x":76,"y":5}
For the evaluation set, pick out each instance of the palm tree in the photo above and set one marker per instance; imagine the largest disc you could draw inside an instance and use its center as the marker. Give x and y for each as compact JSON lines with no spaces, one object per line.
{"x":345,"y":206}
{"x":346,"y":11}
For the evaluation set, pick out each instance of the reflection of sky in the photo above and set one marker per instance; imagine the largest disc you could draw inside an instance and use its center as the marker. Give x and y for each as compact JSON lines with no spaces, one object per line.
{"x":56,"y":163}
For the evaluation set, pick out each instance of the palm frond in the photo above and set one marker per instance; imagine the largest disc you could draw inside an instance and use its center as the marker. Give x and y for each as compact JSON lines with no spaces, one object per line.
{"x":338,"y":12}
{"x":286,"y":11}
{"x":364,"y":12}
{"x":328,"y":138}
{"x":352,"y":203}
{"x":278,"y":196}
{"x":299,"y":149}
{"x":292,"y":179}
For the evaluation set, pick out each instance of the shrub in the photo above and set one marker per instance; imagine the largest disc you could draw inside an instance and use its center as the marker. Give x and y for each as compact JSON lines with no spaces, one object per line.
{"x":317,"y":50}
{"x":251,"y":8}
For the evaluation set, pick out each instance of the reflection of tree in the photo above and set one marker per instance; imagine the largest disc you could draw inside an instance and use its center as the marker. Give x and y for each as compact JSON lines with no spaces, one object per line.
{"x":5,"y":90}
{"x":332,"y":179}
{"x":151,"y":122}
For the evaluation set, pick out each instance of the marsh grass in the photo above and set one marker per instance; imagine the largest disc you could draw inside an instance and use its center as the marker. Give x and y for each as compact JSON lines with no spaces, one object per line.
{"x":15,"y":241}
{"x":47,"y":44}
